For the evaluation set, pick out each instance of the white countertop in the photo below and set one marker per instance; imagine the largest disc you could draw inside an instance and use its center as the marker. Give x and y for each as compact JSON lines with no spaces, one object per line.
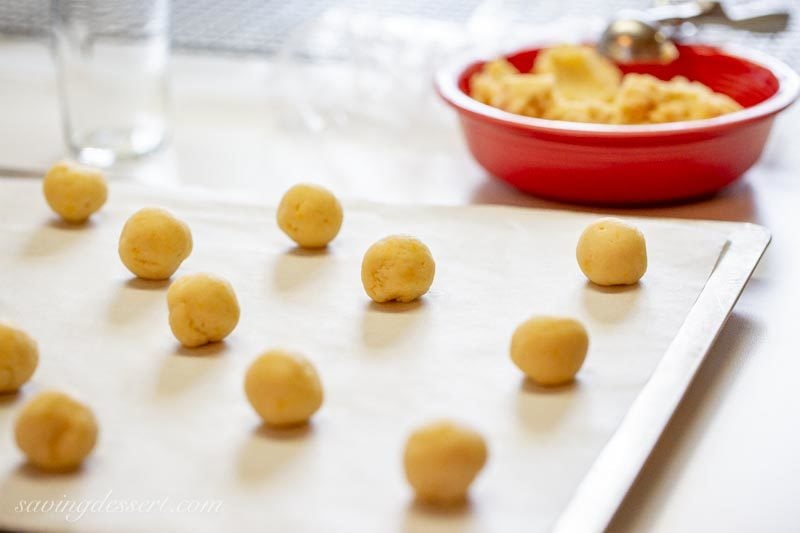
{"x":727,"y":462}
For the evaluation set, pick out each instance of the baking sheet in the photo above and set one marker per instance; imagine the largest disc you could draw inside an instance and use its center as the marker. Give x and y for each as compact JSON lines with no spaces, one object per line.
{"x":175,"y":426}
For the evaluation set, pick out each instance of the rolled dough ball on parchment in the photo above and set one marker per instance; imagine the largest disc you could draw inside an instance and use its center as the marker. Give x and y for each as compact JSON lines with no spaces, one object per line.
{"x":283,"y":388}
{"x":310,"y":215}
{"x":202,"y":309}
{"x":399,"y":267}
{"x":441,"y":460}
{"x":153,"y":243}
{"x":55,"y":431}
{"x":611,"y":252}
{"x":19,"y":357}
{"x":549,"y":350}
{"x":74,"y":191}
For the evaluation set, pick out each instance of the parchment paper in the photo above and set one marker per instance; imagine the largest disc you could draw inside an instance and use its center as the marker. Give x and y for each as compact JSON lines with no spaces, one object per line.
{"x":176,"y":427}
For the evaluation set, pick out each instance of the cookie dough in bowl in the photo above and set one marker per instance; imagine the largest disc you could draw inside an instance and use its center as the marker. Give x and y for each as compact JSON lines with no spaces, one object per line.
{"x":398,"y":268}
{"x":612,"y":252}
{"x":441,"y":461}
{"x":310,"y":215}
{"x":74,"y":191}
{"x":283,"y":388}
{"x":19,"y":357}
{"x":549,"y":350}
{"x":153,"y":243}
{"x":55,"y":431}
{"x":202,"y":308}
{"x":577,"y":84}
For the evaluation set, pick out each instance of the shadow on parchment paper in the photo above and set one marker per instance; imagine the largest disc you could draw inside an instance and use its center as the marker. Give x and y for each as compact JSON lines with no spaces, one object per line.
{"x":610,"y":304}
{"x":28,"y":471}
{"x":58,"y":223}
{"x":420,"y":516}
{"x":707,"y":392}
{"x":267,"y":450}
{"x":543,"y":408}
{"x":389,"y":323}
{"x":55,"y":236}
{"x":298,"y":266}
{"x":149,"y":284}
{"x":212,"y":349}
{"x":186,"y":366}
{"x":736,"y":203}
{"x":120,"y":309}
{"x":9,"y":398}
{"x":11,"y":402}
{"x":46,"y":481}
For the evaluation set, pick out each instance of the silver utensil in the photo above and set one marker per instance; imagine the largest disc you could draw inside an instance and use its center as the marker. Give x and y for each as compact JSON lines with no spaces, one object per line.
{"x":643,"y":36}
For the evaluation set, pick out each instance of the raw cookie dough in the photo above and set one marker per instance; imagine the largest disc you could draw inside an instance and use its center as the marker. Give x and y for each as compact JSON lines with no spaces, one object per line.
{"x":399,"y":268}
{"x":153,"y":243}
{"x":577,"y":84}
{"x":611,"y":252}
{"x":549,"y":350}
{"x":580,"y":72}
{"x":283,"y":388}
{"x":441,"y":461}
{"x":74,"y":191}
{"x":202,"y":309}
{"x":55,"y":431}
{"x":310,"y":215}
{"x":18,"y":358}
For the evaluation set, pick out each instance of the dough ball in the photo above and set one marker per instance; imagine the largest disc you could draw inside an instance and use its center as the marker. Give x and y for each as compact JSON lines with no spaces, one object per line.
{"x":19,"y":357}
{"x":441,"y":461}
{"x":283,"y":388}
{"x":399,"y":268}
{"x":153,"y":243}
{"x":549,"y":350}
{"x":74,"y":191}
{"x":310,"y":215}
{"x":581,"y":73}
{"x":55,"y":432}
{"x":611,"y":252}
{"x":202,"y":309}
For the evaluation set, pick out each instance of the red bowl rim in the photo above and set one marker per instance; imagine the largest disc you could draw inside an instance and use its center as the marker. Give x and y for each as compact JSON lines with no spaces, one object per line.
{"x":446,"y":82}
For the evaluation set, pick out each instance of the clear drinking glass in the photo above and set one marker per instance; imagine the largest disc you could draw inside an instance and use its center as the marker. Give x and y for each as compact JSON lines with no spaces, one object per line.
{"x":111,"y":61}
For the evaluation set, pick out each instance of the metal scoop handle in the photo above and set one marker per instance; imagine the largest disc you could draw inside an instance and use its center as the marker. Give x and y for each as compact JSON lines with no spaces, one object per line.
{"x":758,"y":16}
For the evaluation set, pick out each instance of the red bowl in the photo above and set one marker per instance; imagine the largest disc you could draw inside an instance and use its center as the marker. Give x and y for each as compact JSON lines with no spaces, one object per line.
{"x":629,"y":164}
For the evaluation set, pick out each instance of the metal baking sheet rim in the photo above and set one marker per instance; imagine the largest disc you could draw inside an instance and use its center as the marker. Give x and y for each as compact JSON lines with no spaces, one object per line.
{"x":611,"y":476}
